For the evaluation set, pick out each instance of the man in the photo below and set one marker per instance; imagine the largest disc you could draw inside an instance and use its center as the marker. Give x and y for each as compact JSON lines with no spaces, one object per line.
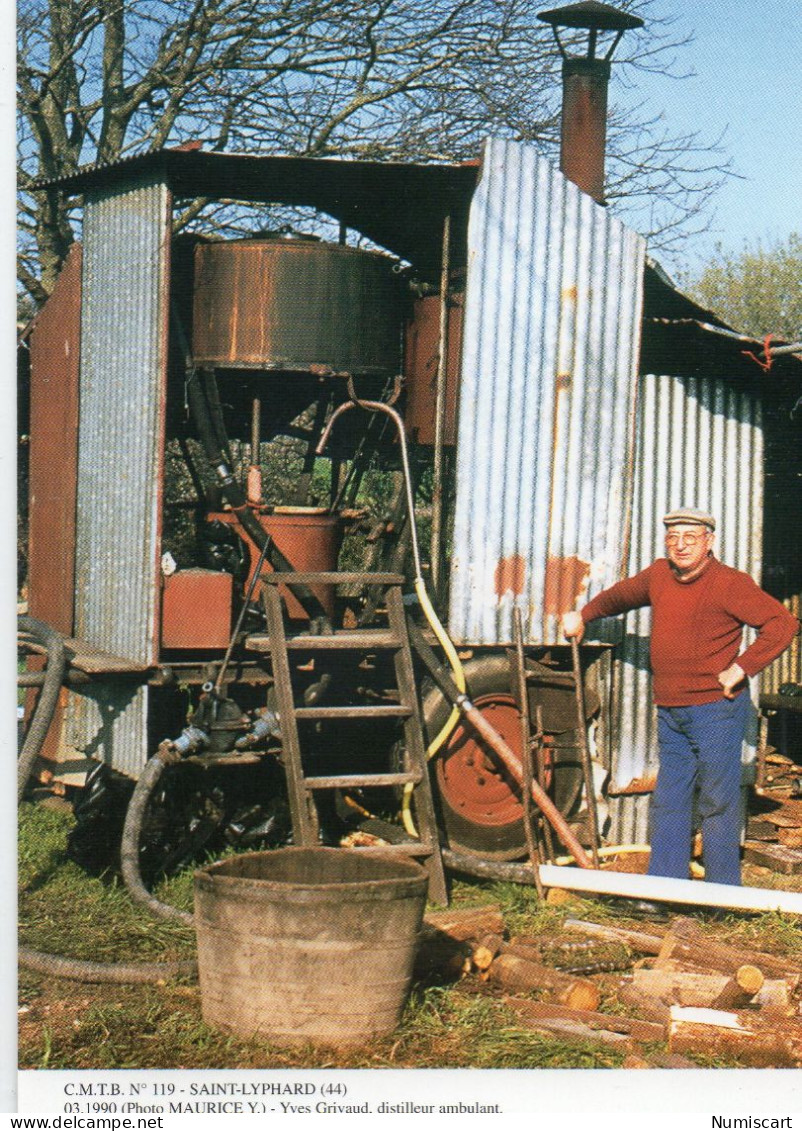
{"x":699,"y":609}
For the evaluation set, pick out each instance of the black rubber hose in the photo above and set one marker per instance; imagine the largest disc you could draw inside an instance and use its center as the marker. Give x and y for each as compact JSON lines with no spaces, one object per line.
{"x":129,"y":849}
{"x":123,"y":972}
{"x":234,"y":496}
{"x":118,"y":972}
{"x":46,"y":700}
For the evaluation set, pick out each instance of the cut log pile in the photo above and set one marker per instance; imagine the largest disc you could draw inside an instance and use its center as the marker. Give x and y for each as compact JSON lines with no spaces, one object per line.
{"x":774,"y":834}
{"x":610,"y":986}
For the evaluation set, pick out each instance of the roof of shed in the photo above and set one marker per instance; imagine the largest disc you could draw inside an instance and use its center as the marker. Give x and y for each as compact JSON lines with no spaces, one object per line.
{"x":400,"y":206}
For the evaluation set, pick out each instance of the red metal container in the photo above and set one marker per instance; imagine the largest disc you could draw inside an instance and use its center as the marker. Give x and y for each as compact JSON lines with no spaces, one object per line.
{"x":196,"y":609}
{"x":308,"y":537}
{"x":295,"y":305}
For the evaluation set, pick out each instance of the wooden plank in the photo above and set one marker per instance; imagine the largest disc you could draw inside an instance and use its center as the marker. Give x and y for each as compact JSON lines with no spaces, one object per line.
{"x":387,"y":711}
{"x":358,"y":781}
{"x":93,"y":661}
{"x":777,"y":857}
{"x":365,"y":640}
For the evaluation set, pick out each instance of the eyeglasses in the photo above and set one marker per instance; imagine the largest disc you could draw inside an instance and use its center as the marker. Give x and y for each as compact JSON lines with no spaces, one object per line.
{"x":688,"y":539}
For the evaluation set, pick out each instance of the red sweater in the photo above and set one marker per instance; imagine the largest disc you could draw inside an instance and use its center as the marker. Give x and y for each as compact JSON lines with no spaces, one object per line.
{"x":697,"y":627}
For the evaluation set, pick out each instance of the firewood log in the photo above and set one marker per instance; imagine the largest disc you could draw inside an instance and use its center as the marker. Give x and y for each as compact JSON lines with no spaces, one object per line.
{"x":517,"y":974}
{"x":726,"y":957}
{"x":486,"y":950}
{"x":717,"y":1033}
{"x":467,"y":923}
{"x":641,"y":941}
{"x":444,"y":944}
{"x":740,"y":989}
{"x":691,"y":988}
{"x":639,"y":1030}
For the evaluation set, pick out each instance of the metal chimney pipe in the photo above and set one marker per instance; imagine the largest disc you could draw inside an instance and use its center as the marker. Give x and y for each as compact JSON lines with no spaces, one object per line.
{"x":583,"y":132}
{"x":583,"y":129}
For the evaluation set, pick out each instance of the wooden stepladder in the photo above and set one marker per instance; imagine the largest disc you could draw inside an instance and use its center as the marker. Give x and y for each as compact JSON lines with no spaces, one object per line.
{"x":392,"y":638}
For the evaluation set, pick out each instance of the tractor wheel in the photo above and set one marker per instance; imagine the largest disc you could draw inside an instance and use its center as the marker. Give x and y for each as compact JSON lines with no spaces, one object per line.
{"x":479,"y":805}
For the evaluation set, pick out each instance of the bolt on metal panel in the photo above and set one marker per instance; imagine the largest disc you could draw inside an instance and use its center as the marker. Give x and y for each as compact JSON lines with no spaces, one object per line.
{"x":121,"y":440}
{"x":700,"y":443}
{"x":547,"y":400}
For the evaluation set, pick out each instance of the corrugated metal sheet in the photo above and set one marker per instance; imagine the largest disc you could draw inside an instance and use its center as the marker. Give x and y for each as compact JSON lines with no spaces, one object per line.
{"x":788,"y":667}
{"x":109,"y":722}
{"x":700,"y":443}
{"x":120,"y":444}
{"x":547,"y":400}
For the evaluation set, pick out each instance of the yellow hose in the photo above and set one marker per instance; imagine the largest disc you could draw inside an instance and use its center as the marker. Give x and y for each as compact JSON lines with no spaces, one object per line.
{"x":459,"y":678}
{"x":624,"y":849}
{"x":609,"y":850}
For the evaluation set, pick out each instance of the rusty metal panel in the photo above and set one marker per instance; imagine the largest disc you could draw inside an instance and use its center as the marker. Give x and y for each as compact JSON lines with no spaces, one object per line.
{"x":120,"y":449}
{"x":55,"y":351}
{"x":421,"y":362}
{"x":296,"y":305}
{"x":547,"y":400}
{"x":700,"y":443}
{"x":196,"y":609}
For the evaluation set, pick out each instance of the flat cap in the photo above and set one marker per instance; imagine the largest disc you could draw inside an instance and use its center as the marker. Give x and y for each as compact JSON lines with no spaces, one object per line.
{"x":691,"y":516}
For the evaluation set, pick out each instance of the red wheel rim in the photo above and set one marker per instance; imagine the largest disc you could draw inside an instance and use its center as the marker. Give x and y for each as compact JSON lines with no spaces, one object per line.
{"x":470,"y":777}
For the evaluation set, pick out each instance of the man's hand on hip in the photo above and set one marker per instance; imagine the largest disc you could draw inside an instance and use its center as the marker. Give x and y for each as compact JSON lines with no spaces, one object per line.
{"x":730,"y":678}
{"x":573,"y":625}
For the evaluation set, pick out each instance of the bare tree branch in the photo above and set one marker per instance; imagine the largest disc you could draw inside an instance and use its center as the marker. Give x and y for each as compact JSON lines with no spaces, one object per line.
{"x":378,"y":79}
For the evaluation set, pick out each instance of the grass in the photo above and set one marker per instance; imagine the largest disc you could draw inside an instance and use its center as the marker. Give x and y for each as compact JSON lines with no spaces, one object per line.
{"x":71,"y":1025}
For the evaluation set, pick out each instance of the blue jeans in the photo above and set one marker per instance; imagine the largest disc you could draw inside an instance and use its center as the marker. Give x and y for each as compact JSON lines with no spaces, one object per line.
{"x":700,"y":762}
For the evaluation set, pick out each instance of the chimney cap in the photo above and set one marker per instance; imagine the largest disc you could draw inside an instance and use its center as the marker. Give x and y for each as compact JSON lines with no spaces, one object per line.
{"x":591,"y":14}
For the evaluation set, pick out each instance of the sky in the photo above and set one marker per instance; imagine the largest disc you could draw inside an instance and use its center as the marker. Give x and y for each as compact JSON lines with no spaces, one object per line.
{"x":747,"y":59}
